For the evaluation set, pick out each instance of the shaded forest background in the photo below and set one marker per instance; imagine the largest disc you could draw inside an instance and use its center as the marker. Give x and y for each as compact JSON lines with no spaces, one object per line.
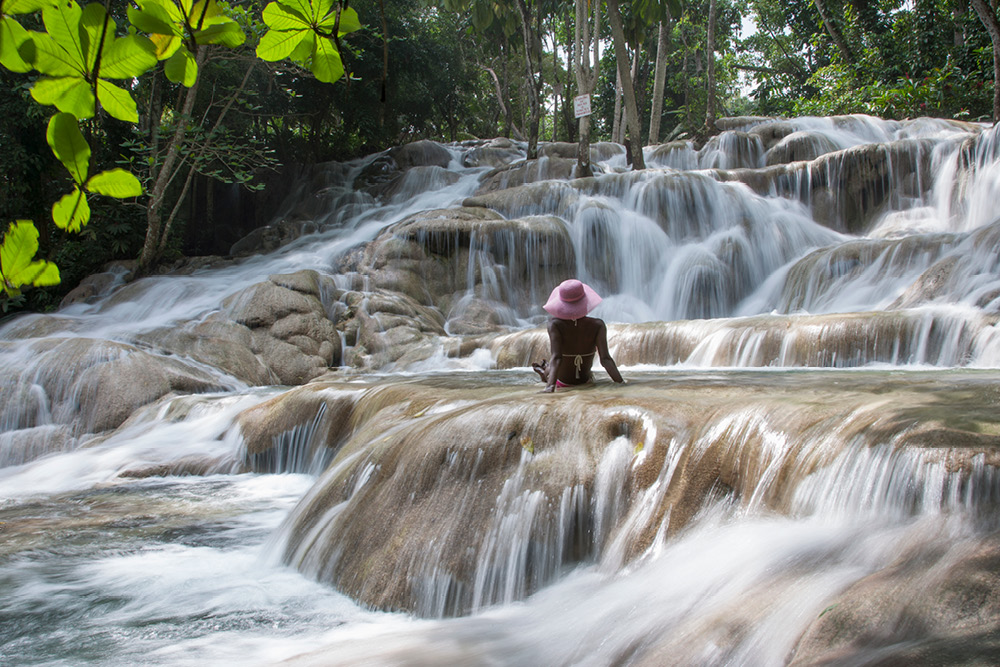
{"x":461,"y":70}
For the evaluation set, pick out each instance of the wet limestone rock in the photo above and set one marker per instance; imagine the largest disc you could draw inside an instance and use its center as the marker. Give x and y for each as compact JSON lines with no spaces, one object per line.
{"x":424,"y":153}
{"x":276,"y":332}
{"x":100,"y":284}
{"x":320,"y":413}
{"x":271,"y":237}
{"x":107,"y":382}
{"x":446,"y":264}
{"x":218,"y":342}
{"x":851,"y":187}
{"x":290,"y":329}
{"x":924,"y":609}
{"x":495,"y":153}
{"x":799,"y":146}
{"x":528,"y":171}
{"x":453,"y":494}
{"x":547,"y":197}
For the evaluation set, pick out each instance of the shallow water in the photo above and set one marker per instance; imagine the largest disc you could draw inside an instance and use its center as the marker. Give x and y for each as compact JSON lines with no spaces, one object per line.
{"x":186,"y":570}
{"x":165,"y":571}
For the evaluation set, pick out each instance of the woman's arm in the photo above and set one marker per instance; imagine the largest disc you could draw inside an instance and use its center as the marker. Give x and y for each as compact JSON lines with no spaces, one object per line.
{"x":555,"y":357}
{"x":604,"y":355}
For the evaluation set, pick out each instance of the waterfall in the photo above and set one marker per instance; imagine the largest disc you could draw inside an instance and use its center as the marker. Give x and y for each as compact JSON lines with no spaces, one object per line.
{"x":329,"y":448}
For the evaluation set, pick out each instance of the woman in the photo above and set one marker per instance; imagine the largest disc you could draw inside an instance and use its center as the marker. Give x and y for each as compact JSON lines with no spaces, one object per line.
{"x":574,"y":338}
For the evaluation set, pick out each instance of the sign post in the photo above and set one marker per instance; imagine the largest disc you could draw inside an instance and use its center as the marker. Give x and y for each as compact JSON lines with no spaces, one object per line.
{"x":581,"y":105}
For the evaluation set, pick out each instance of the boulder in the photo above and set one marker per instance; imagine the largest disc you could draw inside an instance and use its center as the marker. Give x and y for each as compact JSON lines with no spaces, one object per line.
{"x":923,"y":609}
{"x":528,"y":171}
{"x":99,"y":284}
{"x":107,"y":382}
{"x":799,"y":146}
{"x":424,"y":153}
{"x":271,"y":237}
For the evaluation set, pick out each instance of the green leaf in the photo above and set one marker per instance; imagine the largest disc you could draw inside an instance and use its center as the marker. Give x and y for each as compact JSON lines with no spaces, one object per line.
{"x":62,"y":24}
{"x":303,"y":51}
{"x":302,"y":8}
{"x":117,"y":102}
{"x":482,"y":16}
{"x":48,"y":57}
{"x":153,"y":18}
{"x":96,"y":31}
{"x":296,"y":31}
{"x":277,"y":17}
{"x":326,"y":63}
{"x":20,"y":243}
{"x":128,"y":57}
{"x":71,"y":212}
{"x":68,"y":144}
{"x":68,"y":55}
{"x":12,"y":36}
{"x":349,"y":21}
{"x":181,"y":68}
{"x":228,"y":34}
{"x":278,"y":45}
{"x":116,"y":183}
{"x":68,"y":94}
{"x":11,"y":7}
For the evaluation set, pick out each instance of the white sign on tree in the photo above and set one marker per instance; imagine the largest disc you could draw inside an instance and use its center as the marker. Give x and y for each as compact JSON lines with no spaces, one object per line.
{"x":581,"y":105}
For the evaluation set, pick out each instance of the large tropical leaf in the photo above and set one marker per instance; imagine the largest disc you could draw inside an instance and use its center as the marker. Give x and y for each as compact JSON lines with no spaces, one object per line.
{"x":116,"y":183}
{"x":169,"y":22}
{"x":78,"y":53}
{"x":278,"y":17}
{"x":71,"y":212}
{"x":301,"y":30}
{"x":279,"y":44}
{"x":12,"y":36}
{"x":17,"y":265}
{"x":68,"y":144}
{"x":326,"y":63}
{"x":117,"y":102}
{"x":11,"y":7}
{"x":127,"y":57}
{"x":181,"y":68}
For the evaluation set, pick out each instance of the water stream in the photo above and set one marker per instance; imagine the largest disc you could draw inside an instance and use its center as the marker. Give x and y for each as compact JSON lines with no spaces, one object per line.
{"x":803,"y":468}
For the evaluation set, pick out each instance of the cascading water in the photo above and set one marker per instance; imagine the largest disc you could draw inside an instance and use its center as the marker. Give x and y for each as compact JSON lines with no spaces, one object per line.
{"x":803,"y":469}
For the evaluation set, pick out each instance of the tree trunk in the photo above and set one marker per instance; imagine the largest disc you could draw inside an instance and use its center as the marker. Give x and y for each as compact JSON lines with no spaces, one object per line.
{"x":586,"y":76}
{"x":710,"y":59}
{"x":617,"y":135}
{"x":659,"y":81}
{"x":988,"y":16}
{"x":832,"y":30}
{"x":155,"y":232}
{"x":201,"y":152}
{"x":631,"y":111}
{"x":534,"y":79}
{"x":508,"y":117}
{"x":567,"y":109}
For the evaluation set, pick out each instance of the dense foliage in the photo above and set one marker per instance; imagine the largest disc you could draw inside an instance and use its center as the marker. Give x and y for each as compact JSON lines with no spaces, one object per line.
{"x":181,"y":119}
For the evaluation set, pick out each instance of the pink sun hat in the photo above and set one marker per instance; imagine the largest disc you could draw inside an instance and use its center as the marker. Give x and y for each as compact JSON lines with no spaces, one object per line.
{"x":571,"y":300}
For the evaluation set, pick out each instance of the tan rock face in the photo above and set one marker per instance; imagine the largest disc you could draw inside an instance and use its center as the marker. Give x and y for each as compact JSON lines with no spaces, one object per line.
{"x":452,"y":494}
{"x":462,"y":270}
{"x":924,"y":609}
{"x":92,"y":385}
